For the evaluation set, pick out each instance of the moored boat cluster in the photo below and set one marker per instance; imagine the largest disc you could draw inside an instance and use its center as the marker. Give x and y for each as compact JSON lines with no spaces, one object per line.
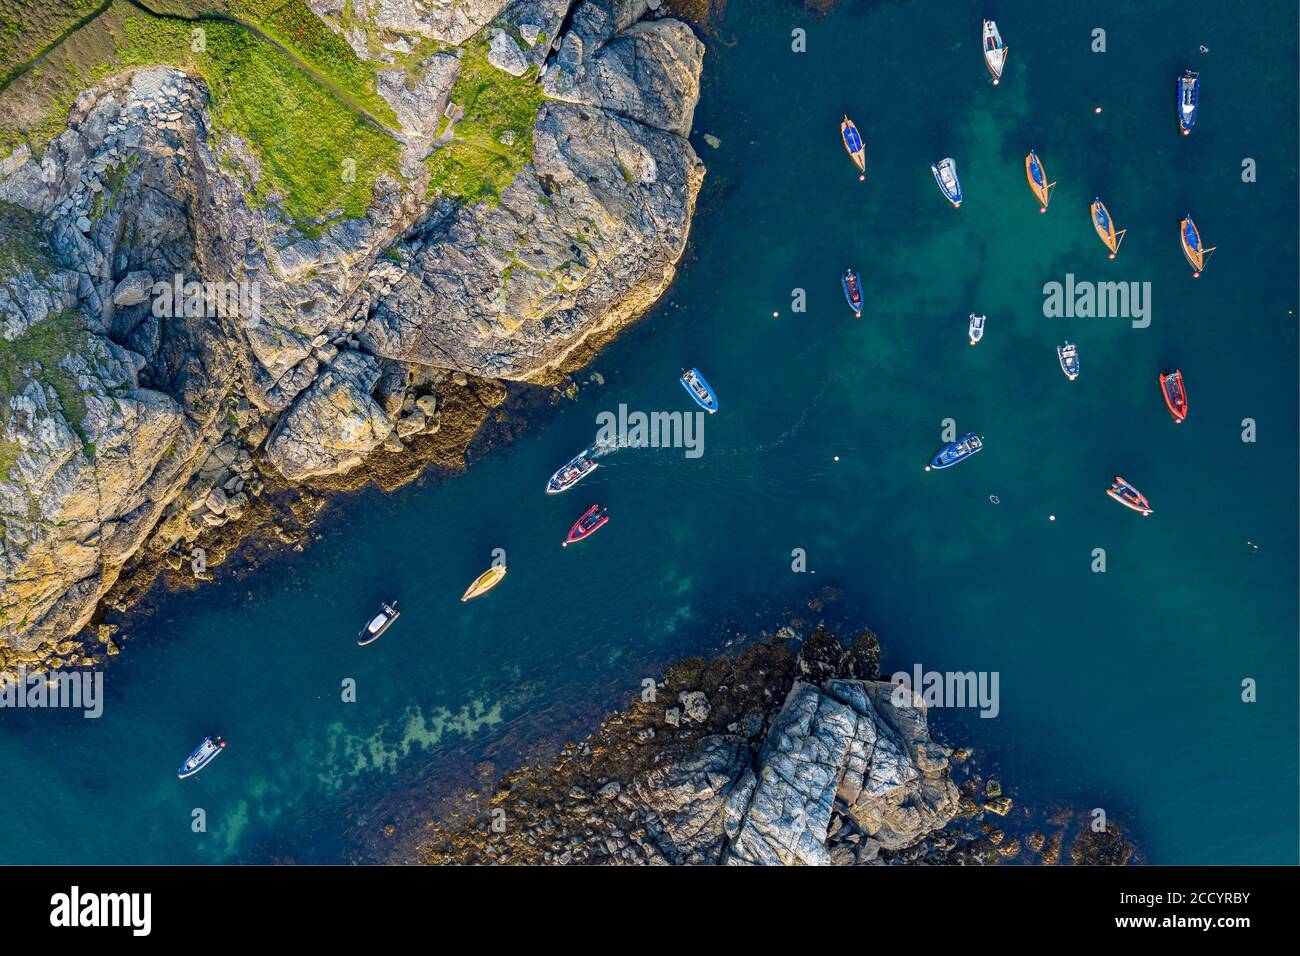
{"x":945,"y":176}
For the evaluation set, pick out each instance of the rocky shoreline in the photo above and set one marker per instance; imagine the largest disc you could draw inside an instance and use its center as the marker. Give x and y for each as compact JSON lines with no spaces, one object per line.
{"x":774,"y":755}
{"x":136,"y":444}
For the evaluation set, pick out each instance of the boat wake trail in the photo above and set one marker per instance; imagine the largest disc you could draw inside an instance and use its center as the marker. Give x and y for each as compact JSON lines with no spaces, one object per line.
{"x":601,"y":449}
{"x":792,"y":432}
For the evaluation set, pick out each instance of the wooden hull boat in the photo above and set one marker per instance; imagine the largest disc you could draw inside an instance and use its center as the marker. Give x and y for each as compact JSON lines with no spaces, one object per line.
{"x":485,"y":582}
{"x":1105,"y":227}
{"x":1037,"y":177}
{"x":853,"y":144}
{"x":1194,"y":250}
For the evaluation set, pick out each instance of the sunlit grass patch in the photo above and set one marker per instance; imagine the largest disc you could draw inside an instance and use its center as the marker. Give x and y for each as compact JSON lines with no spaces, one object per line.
{"x":477,"y":165}
{"x":316,"y":152}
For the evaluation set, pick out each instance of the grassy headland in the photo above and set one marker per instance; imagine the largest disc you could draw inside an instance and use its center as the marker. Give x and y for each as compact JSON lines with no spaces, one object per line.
{"x":476,"y":164}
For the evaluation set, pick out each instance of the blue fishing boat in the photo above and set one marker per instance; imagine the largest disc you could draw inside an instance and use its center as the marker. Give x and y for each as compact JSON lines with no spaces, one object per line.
{"x":956,"y":451}
{"x":203,"y":754}
{"x":694,"y":383}
{"x":1189,"y":93}
{"x":945,"y":174}
{"x":852,"y":284}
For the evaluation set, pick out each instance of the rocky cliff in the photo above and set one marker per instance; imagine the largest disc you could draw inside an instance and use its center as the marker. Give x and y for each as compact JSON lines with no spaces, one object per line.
{"x":180,"y":326}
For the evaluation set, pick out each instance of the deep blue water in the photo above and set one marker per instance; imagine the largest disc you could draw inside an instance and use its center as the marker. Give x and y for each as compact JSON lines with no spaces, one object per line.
{"x":1119,"y":690}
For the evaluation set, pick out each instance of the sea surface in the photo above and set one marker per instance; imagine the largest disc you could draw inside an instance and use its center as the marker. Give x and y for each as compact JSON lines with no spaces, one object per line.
{"x":1119,"y":689}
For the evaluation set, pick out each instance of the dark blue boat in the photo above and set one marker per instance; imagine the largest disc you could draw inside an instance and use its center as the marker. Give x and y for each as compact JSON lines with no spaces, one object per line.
{"x":956,"y":451}
{"x":852,"y":283}
{"x":203,"y":754}
{"x":1189,"y":92}
{"x":694,"y":383}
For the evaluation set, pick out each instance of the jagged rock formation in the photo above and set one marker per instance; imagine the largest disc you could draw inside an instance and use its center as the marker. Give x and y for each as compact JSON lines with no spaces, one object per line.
{"x":344,"y":338}
{"x":761,"y":759}
{"x":849,"y":742}
{"x":588,"y":236}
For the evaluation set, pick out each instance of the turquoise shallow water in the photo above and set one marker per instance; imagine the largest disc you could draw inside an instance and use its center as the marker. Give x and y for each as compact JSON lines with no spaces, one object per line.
{"x":1118,"y":690}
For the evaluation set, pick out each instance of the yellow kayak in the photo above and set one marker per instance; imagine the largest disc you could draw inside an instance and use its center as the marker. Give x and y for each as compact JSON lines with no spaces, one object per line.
{"x":485,"y":582}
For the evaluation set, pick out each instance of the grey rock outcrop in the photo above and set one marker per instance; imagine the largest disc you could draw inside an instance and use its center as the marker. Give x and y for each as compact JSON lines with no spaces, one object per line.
{"x":419,"y":105}
{"x":587,"y":238}
{"x":647,"y":71}
{"x":334,"y":424}
{"x":504,"y":54}
{"x":851,"y":743}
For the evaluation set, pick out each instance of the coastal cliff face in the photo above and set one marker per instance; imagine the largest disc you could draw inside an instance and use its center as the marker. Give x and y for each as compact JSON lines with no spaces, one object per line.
{"x":302,"y":338}
{"x":766,"y":758}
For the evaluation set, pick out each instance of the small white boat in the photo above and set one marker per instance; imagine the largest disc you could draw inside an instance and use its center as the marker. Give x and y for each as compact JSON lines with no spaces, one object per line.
{"x":1069,"y":358}
{"x":381,"y":622}
{"x":995,"y":51}
{"x":976,"y":327}
{"x":208,"y":750}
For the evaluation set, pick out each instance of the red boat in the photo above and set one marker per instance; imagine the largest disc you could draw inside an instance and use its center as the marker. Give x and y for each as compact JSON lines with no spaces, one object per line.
{"x":591,"y":522}
{"x":1171,"y":383}
{"x":1129,"y":496}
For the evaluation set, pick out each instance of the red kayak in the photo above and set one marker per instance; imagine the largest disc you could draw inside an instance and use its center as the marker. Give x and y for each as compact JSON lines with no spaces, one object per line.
{"x":587,"y":525}
{"x":1171,"y":383}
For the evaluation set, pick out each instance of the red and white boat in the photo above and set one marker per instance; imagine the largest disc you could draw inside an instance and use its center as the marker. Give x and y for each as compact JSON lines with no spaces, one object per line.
{"x":1171,"y":385}
{"x":592,"y":520}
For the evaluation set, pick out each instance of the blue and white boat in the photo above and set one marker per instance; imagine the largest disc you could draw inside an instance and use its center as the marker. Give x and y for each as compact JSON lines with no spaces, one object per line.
{"x":1068,"y":355}
{"x":852,"y":283}
{"x":694,"y":383}
{"x":976,"y":327}
{"x":203,"y":754}
{"x":956,"y":451}
{"x":945,"y":174}
{"x":1189,"y":92}
{"x":571,"y":473}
